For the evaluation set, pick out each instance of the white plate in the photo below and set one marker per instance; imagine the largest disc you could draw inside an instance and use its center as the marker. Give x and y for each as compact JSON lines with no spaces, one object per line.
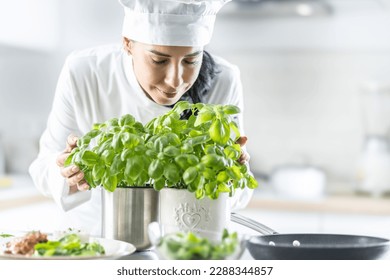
{"x":114,"y":250}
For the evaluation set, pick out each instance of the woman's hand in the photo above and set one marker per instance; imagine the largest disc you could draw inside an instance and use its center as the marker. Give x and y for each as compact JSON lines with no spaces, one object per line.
{"x":74,"y":176}
{"x":244,"y":158}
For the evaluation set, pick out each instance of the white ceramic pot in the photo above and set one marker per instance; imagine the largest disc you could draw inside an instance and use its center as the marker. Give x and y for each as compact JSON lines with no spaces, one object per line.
{"x":181,"y":211}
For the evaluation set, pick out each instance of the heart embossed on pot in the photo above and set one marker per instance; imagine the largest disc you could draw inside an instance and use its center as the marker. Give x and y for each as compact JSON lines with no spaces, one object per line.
{"x":191,"y":220}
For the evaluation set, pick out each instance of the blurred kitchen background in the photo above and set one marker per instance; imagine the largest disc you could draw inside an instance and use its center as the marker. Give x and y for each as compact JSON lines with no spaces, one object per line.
{"x":316,"y":79}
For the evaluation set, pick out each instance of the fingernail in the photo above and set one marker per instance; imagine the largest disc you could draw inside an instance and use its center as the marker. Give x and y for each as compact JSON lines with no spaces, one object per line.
{"x":75,"y":168}
{"x":81,"y":175}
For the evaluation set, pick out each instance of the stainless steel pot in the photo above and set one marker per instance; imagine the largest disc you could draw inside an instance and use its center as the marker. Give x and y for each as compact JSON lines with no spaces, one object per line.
{"x":126,"y":214}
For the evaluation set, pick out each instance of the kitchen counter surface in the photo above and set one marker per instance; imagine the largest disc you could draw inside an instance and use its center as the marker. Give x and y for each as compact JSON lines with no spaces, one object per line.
{"x":18,"y":190}
{"x":332,"y":203}
{"x":23,"y":208}
{"x":151,"y":255}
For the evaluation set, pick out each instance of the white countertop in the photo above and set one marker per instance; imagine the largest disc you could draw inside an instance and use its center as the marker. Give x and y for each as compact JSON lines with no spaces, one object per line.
{"x":14,"y":186}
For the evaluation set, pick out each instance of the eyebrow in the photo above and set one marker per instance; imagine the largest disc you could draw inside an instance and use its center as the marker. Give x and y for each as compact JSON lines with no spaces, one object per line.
{"x":167,"y":55}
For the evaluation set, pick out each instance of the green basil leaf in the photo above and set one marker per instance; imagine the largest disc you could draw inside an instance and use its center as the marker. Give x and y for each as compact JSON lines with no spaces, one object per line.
{"x":156,"y":169}
{"x":220,"y":132}
{"x":134,"y":167}
{"x":199,"y":193}
{"x":117,"y":165}
{"x":160,"y":143}
{"x":209,"y":174}
{"x":112,"y":122}
{"x":231,"y":152}
{"x":222,"y":177}
{"x":89,"y":158}
{"x":130,"y":140}
{"x":197,"y":140}
{"x":69,"y":159}
{"x":126,"y":120}
{"x":173,"y":139}
{"x":213,"y":161}
{"x":97,"y":126}
{"x":159,"y":184}
{"x":210,"y":149}
{"x":210,"y":188}
{"x":142,"y":179}
{"x":206,"y":114}
{"x":103,"y":146}
{"x":244,"y":168}
{"x":110,"y":182}
{"x":171,"y":151}
{"x":231,"y":109}
{"x":116,"y":141}
{"x":194,"y":133}
{"x":223,"y":187}
{"x":182,"y":161}
{"x":89,"y":178}
{"x":93,"y":133}
{"x":108,"y":156}
{"x":234,"y":172}
{"x":252,"y":183}
{"x":186,"y":148}
{"x":171,"y":173}
{"x":181,"y":106}
{"x":192,"y":159}
{"x":234,"y":128}
{"x":150,"y":154}
{"x":126,"y":153}
{"x":98,"y":171}
{"x":200,"y":167}
{"x":189,"y":175}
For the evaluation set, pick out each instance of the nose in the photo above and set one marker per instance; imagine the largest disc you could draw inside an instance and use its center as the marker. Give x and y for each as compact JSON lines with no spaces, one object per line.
{"x":174,"y":76}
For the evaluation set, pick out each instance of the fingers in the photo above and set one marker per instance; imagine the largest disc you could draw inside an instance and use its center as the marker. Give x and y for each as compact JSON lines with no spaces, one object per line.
{"x":242,"y":140}
{"x":76,"y":181}
{"x":83,"y":186}
{"x":74,"y":176}
{"x":244,"y":158}
{"x":71,"y":171}
{"x":61,"y":159}
{"x":71,"y":143}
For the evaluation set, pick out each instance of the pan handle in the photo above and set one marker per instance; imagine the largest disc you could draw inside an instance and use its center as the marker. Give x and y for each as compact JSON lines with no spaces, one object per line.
{"x":252,"y":224}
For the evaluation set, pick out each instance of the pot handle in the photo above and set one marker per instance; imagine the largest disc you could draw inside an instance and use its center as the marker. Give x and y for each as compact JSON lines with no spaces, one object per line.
{"x":252,"y":224}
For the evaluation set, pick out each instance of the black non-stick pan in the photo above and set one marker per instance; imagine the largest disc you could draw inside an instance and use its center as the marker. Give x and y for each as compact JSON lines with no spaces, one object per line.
{"x":311,"y":246}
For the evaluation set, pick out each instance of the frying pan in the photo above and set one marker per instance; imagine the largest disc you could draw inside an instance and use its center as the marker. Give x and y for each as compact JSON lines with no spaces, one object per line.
{"x":311,"y":246}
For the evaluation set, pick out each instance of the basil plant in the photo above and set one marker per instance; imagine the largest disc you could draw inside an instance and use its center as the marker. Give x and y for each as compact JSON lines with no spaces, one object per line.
{"x":198,"y":152}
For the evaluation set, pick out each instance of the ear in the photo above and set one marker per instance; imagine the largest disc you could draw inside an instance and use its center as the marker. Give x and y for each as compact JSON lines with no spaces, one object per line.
{"x":127,"y":45}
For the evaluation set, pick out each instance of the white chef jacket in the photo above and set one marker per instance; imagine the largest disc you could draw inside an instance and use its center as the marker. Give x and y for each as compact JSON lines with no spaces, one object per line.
{"x":95,"y":85}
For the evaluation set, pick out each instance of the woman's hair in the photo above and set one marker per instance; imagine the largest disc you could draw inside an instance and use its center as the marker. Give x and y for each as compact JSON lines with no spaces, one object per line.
{"x":203,"y":83}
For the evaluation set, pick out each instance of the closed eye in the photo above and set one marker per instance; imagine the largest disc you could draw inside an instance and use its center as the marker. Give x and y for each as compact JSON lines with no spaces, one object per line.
{"x":191,"y":62}
{"x":159,"y":61}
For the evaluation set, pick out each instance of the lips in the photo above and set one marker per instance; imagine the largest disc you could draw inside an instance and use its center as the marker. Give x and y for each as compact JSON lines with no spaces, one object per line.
{"x":168,"y":94}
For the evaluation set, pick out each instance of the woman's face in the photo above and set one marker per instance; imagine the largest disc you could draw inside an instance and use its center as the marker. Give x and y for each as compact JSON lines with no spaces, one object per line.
{"x":165,"y":73}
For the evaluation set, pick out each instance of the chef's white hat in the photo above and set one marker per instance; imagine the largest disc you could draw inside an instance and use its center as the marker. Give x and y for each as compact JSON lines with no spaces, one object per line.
{"x":170,"y":22}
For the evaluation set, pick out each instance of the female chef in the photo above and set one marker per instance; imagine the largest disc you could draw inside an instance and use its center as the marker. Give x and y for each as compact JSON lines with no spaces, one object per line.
{"x":162,"y":60}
